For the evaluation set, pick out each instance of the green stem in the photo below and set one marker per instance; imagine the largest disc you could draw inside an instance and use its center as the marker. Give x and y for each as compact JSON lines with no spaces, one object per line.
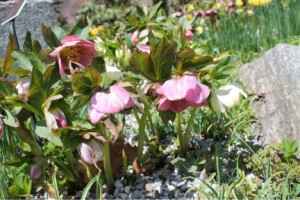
{"x":142,"y":133}
{"x":187,"y":134}
{"x":107,"y":165}
{"x":182,"y":148}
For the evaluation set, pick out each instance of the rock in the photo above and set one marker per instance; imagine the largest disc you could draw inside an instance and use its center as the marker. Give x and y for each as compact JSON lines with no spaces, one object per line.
{"x":118,"y":184}
{"x":30,"y":19}
{"x":68,"y":9}
{"x":273,"y":81}
{"x":127,"y":189}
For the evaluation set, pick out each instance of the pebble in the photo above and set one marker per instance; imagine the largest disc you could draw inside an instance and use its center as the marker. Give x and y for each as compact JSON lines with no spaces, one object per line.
{"x":123,"y":195}
{"x":118,"y":184}
{"x":127,"y":189}
{"x":116,"y":192}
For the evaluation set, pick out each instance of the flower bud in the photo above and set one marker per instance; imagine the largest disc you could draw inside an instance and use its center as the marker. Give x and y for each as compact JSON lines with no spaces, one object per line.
{"x":35,"y":171}
{"x":86,"y":152}
{"x":55,"y":119}
{"x":23,"y":88}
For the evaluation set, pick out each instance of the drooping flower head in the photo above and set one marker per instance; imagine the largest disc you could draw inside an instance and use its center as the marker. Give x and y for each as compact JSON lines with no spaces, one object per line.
{"x":1,"y":128}
{"x":179,"y":93}
{"x":35,"y":171}
{"x":188,"y":34}
{"x":23,"y":88}
{"x":226,"y":96}
{"x":55,"y":118}
{"x":73,"y":50}
{"x":109,"y":101}
{"x":86,"y":152}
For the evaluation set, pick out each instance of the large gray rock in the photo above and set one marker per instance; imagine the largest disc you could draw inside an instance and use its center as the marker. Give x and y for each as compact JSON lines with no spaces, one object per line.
{"x":274,"y":81}
{"x":34,"y":13}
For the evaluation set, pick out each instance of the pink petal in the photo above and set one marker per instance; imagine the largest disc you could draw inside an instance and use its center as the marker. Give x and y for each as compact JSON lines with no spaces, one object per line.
{"x":94,"y":115}
{"x":35,"y":171}
{"x":144,"y":33}
{"x":113,"y":100}
{"x":198,"y":95}
{"x":86,"y":153}
{"x":176,"y":89}
{"x":178,"y":106}
{"x":164,"y":104}
{"x":70,"y":38}
{"x":134,"y":37}
{"x":143,"y":48}
{"x":62,"y":65}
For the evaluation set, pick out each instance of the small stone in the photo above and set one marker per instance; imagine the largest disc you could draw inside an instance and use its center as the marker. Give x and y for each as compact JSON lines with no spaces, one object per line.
{"x":118,"y":184}
{"x":123,"y":196}
{"x":127,"y":189}
{"x":149,"y":187}
{"x":171,"y":187}
{"x":181,"y":183}
{"x":116,"y":193}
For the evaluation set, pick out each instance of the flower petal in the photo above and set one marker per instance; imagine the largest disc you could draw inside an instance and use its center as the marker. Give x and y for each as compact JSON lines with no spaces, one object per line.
{"x":94,"y":115}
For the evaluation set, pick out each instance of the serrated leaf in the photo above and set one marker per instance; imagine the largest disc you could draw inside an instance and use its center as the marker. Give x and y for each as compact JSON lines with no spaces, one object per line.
{"x":8,"y":62}
{"x":154,"y":10}
{"x":42,"y":131}
{"x":51,"y":76}
{"x":163,"y":58}
{"x":185,"y":55}
{"x":21,"y":60}
{"x":83,"y":83}
{"x":37,"y":91}
{"x":198,"y":62}
{"x":49,"y":36}
{"x":141,"y":63}
{"x":31,"y":45}
{"x":59,"y":32}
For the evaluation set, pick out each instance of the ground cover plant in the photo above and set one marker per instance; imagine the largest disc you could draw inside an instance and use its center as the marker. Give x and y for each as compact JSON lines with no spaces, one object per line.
{"x":67,"y":111}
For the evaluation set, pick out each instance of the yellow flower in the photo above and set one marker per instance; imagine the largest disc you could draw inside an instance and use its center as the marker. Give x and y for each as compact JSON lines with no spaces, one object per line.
{"x":190,"y":8}
{"x":199,"y":30}
{"x":189,"y":16}
{"x":94,"y":31}
{"x":254,"y":2}
{"x":239,"y":3}
{"x":101,"y":28}
{"x":220,"y":5}
{"x":265,"y":1}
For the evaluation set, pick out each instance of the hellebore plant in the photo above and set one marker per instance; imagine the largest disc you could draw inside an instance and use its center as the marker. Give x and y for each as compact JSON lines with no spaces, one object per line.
{"x":1,"y":128}
{"x":227,"y":96}
{"x":177,"y":95}
{"x":73,"y":50}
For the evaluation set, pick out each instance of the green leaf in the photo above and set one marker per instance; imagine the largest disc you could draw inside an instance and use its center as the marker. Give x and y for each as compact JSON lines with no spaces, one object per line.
{"x":185,"y":55}
{"x":42,"y":131}
{"x":9,"y":119}
{"x":80,"y":28}
{"x":167,"y":116}
{"x":99,"y":64}
{"x":8,"y":62}
{"x":79,"y":102}
{"x":224,"y":72}
{"x":21,"y":60}
{"x":6,"y":88}
{"x":83,"y":83}
{"x":140,"y":12}
{"x":198,"y":62}
{"x":19,"y":72}
{"x":163,"y":58}
{"x":49,"y":36}
{"x":154,"y":9}
{"x":31,"y":45}
{"x":59,"y":32}
{"x":37,"y":94}
{"x":141,"y":63}
{"x":88,"y":188}
{"x":51,"y":76}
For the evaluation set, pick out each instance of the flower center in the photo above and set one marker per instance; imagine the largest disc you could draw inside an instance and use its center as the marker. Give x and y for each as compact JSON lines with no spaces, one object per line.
{"x":71,"y":54}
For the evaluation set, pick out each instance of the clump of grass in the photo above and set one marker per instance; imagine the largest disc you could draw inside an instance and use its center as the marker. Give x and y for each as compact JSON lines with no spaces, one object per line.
{"x":246,"y":34}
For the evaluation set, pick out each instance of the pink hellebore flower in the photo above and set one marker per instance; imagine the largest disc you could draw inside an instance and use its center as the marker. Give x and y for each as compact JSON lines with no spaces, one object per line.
{"x":143,"y":48}
{"x":180,"y":93}
{"x":113,"y":100}
{"x":135,"y":37}
{"x":188,"y":34}
{"x":86,"y":152}
{"x":35,"y":171}
{"x":73,"y":49}
{"x":23,"y":88}
{"x":1,"y":128}
{"x":55,"y":118}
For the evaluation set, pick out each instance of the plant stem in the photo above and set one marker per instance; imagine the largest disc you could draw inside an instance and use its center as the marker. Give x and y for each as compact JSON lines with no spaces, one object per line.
{"x":142,"y":132}
{"x":187,"y":134}
{"x":107,"y":165}
{"x":182,"y":148}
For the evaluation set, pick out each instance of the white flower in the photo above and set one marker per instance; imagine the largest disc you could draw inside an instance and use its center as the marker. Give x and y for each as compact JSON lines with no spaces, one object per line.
{"x":87,"y":151}
{"x":112,"y":74}
{"x":226,"y":96}
{"x":23,"y":88}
